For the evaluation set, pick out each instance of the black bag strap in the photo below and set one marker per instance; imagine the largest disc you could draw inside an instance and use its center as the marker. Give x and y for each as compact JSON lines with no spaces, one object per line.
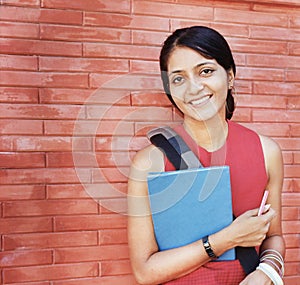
{"x":182,"y":157}
{"x":174,"y":147}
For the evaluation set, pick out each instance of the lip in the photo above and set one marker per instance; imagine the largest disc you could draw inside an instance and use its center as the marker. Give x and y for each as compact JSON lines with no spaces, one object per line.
{"x":197,"y":102}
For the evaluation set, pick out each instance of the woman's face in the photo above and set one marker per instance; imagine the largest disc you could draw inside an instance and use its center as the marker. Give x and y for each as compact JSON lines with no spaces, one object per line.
{"x":198,"y":85}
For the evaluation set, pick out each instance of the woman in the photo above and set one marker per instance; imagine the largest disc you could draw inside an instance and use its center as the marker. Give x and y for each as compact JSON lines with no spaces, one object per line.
{"x":198,"y":72}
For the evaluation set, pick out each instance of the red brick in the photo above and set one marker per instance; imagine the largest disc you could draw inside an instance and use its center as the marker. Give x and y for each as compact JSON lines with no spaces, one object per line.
{"x":127,"y":81}
{"x":90,"y":222}
{"x":114,"y":205}
{"x":120,"y":143}
{"x":25,"y":225}
{"x":19,"y":30}
{"x":126,"y":21}
{"x":293,"y":103}
{"x":66,"y":191}
{"x":114,"y":236}
{"x":270,"y":33}
{"x":122,"y":6}
{"x":38,"y":47}
{"x":242,"y":87}
{"x":150,"y":99}
{"x":287,"y":157}
{"x":292,"y":75}
{"x":10,"y":62}
{"x":83,"y":64}
{"x":114,"y":175}
{"x":289,"y":213}
{"x":291,"y":240}
{"x":51,"y":272}
{"x":112,"y":268}
{"x":21,"y":127}
{"x":290,"y":199}
{"x":49,"y":240}
{"x":260,"y":100}
{"x":182,"y":23}
{"x":292,"y":254}
{"x":95,"y":191}
{"x":221,"y":3}
{"x":258,"y":46}
{"x":296,"y":156}
{"x":94,"y":34}
{"x":25,"y":258}
{"x":23,"y":14}
{"x":87,"y":159}
{"x":22,"y":160}
{"x":291,"y":268}
{"x":149,"y":38}
{"x":129,"y":113}
{"x":88,"y":127}
{"x":91,"y":253}
{"x":144,"y":67}
{"x":44,"y":79}
{"x":24,"y":111}
{"x":294,"y":48}
{"x":109,"y":280}
{"x":292,"y":171}
{"x":268,"y":115}
{"x":291,"y":280}
{"x":272,"y":61}
{"x":49,"y":207}
{"x":260,"y":74}
{"x":295,"y":130}
{"x":249,"y":17}
{"x":18,"y":95}
{"x":90,"y":96}
{"x":120,"y":51}
{"x":231,"y":29}
{"x":291,"y":227}
{"x":173,"y":10}
{"x":38,"y":176}
{"x":22,"y":192}
{"x":295,"y":21}
{"x":23,"y":3}
{"x":50,"y":143}
{"x":279,"y":88}
{"x":242,"y":115}
{"x":270,"y":129}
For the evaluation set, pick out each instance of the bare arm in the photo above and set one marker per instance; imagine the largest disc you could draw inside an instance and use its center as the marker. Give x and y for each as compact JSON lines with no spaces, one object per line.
{"x":274,"y":239}
{"x":153,"y":267}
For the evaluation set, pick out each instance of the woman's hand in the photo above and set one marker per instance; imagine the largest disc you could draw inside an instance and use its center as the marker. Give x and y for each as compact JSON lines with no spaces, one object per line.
{"x":257,"y":277}
{"x":249,"y":229}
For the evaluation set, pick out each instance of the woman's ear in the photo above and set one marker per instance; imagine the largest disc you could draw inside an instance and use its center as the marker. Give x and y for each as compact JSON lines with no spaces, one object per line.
{"x":230,"y":75}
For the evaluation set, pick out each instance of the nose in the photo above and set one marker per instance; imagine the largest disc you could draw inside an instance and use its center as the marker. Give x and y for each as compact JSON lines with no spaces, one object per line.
{"x":195,"y":86}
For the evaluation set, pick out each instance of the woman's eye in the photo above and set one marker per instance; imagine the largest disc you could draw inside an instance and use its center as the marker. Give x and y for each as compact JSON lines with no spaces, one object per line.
{"x":177,"y":80}
{"x":206,"y":71}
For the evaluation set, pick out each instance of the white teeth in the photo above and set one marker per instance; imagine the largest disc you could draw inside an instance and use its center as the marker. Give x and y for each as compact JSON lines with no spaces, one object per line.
{"x":199,"y":101}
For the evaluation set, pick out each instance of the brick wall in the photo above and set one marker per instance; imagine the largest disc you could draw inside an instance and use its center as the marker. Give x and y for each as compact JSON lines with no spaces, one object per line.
{"x":80,"y":86}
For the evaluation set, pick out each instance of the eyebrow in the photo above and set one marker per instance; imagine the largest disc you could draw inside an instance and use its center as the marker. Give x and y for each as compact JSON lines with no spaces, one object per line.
{"x":197,"y":66}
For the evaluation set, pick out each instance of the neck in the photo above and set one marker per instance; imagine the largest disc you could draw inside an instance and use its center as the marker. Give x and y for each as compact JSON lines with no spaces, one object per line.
{"x":210,"y":134}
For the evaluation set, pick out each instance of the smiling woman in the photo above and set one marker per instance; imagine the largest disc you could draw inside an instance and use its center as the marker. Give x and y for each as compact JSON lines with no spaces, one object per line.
{"x":198,"y":71}
{"x":198,"y":85}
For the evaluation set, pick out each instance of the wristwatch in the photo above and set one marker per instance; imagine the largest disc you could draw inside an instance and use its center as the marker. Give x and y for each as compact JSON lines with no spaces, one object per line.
{"x":208,"y":248}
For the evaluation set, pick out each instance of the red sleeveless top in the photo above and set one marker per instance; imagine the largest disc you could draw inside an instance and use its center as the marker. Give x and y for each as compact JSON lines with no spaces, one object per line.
{"x":243,"y":153}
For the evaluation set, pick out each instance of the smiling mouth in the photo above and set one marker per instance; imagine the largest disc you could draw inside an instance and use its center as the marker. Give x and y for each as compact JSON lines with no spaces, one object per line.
{"x":200,"y":101}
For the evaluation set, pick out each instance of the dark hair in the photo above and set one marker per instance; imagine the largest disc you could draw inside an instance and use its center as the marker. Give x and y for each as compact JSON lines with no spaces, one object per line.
{"x":206,"y":41}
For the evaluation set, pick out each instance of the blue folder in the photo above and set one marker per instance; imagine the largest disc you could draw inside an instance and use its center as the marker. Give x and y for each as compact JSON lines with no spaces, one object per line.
{"x":187,"y":205}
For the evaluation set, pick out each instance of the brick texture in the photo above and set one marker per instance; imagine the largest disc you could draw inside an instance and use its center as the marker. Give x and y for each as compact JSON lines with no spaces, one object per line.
{"x":80,"y":87}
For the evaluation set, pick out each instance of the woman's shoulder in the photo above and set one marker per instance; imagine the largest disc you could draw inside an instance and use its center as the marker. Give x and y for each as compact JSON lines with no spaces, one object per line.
{"x":148,"y":159}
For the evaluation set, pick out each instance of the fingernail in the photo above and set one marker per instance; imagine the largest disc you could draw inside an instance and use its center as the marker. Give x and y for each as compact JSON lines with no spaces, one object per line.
{"x":267,"y":207}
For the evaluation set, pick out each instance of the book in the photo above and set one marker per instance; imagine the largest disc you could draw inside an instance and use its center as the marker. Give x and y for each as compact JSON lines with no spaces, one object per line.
{"x":187,"y":205}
